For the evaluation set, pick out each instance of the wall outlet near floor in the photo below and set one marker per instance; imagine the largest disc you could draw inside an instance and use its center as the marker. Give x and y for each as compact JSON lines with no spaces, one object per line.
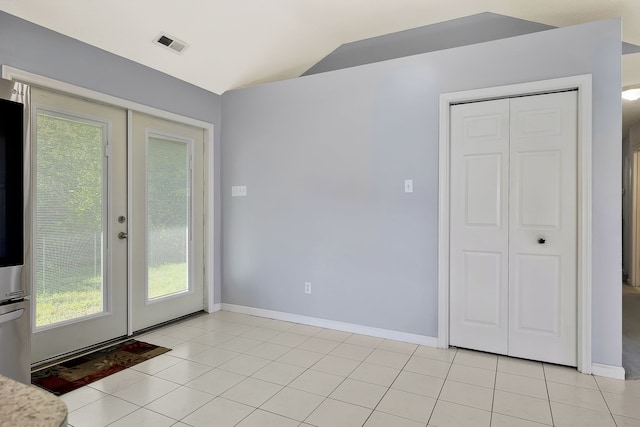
{"x":408,"y":186}
{"x":238,"y":191}
{"x":307,"y":287}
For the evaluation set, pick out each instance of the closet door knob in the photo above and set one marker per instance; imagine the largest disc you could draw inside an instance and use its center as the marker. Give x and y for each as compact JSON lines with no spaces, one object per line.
{"x":541,"y":240}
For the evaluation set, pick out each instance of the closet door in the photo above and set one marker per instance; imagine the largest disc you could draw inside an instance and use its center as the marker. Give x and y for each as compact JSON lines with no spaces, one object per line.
{"x":513,"y":227}
{"x":479,"y":248}
{"x":542,"y":224}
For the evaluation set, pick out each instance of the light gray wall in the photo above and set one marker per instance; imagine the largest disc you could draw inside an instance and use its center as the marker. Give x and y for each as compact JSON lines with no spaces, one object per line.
{"x":473,"y":29}
{"x":324,"y":158}
{"x":38,"y":50}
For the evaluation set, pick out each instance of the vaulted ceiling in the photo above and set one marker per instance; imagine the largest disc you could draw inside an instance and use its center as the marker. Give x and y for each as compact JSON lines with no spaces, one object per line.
{"x":236,"y":43}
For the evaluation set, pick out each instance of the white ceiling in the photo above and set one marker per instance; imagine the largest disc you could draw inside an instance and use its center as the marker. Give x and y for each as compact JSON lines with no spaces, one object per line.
{"x":236,"y":43}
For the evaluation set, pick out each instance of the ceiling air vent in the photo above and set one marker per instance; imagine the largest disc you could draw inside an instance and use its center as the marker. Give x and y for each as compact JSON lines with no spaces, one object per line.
{"x":171,"y":43}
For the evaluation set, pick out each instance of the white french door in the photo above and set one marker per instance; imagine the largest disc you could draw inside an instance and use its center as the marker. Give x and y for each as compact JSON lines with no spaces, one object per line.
{"x":78,"y":265}
{"x":513,"y":255}
{"x":167,"y":220}
{"x":118,"y":241}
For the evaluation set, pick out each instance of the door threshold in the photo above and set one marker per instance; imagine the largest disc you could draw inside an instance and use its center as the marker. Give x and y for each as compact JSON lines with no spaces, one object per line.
{"x":47,"y":363}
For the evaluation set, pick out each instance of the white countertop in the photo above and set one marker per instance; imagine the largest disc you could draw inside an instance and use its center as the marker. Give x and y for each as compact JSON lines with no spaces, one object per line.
{"x":28,"y":406}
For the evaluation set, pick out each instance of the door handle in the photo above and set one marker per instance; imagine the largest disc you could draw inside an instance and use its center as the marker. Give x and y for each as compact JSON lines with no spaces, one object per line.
{"x":122,"y":235}
{"x":541,"y":240}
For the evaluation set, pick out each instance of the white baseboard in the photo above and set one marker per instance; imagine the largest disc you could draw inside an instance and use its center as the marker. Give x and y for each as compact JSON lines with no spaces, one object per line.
{"x":214,"y":308}
{"x":332,"y":324}
{"x":608,"y":371}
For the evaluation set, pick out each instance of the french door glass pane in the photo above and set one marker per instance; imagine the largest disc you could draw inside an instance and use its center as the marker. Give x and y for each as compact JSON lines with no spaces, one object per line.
{"x":168,"y":211}
{"x":69,"y":211}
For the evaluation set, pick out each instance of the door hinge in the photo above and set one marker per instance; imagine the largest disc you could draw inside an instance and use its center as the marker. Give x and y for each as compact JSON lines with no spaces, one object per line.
{"x":107,"y":150}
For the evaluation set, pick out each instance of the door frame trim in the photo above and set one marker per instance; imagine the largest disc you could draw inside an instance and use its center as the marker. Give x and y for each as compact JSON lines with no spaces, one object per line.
{"x":584,"y":250}
{"x":210,"y":305}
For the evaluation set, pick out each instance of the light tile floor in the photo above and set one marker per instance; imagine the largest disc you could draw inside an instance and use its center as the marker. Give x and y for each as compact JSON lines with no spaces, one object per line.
{"x":230,"y":369}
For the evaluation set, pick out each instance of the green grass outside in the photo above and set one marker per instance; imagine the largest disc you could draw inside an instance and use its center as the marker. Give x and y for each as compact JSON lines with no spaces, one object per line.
{"x":85,"y":297}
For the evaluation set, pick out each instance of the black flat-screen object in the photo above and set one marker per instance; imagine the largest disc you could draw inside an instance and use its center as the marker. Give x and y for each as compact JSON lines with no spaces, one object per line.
{"x":11,"y":183}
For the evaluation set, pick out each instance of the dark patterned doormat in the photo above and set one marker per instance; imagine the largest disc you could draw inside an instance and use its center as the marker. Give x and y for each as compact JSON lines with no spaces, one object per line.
{"x":75,"y":373}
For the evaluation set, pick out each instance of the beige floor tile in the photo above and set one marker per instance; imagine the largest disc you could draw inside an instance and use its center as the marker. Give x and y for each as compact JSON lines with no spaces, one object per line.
{"x":397,"y":346}
{"x":78,"y":398}
{"x":319,"y":345}
{"x":229,"y":316}
{"x":146,"y":391}
{"x":500,"y":420}
{"x":421,"y":365}
{"x":245,"y":364}
{"x":213,"y":338}
{"x":214,"y":357}
{"x":183,"y":372}
{"x":444,"y":355}
{"x":252,"y":392}
{"x":253,"y":320}
{"x":162,"y":340}
{"x":447,"y":414}
{"x":144,"y":418}
{"x":330,"y":334}
{"x":218,"y":412}
{"x":407,"y":405}
{"x":350,"y":351}
{"x":183,"y":331}
{"x":470,"y":375}
{"x":626,"y":422}
{"x":627,"y":406}
{"x":188,"y":349}
{"x":577,"y":396}
{"x":381,"y":419}
{"x":156,"y":364}
{"x":302,"y":358}
{"x":335,"y":365}
{"x":101,"y":412}
{"x":316,"y":382}
{"x":268,"y":350}
{"x":476,"y":359}
{"x":279,"y":373}
{"x":292,"y":403}
{"x":386,"y":358}
{"x":216,"y":381}
{"x":375,"y":374}
{"x":359,"y":393}
{"x":570,"y":376}
{"x":307,"y":330}
{"x":239,"y":344}
{"x":279,"y":325}
{"x":525,"y":368}
{"x":234,"y":328}
{"x":288,"y":339}
{"x":332,"y":413}
{"x":571,"y":416}
{"x":180,"y":402}
{"x":118,"y":381}
{"x":467,"y":394}
{"x":520,"y":406}
{"x":260,"y":334}
{"x":363,"y":340}
{"x":424,"y":385}
{"x":610,"y":385}
{"x":260,"y":418}
{"x":521,"y":385}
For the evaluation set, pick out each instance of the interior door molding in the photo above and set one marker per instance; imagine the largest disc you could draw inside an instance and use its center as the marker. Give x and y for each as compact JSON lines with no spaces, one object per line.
{"x":584,"y":251}
{"x":210,"y":305}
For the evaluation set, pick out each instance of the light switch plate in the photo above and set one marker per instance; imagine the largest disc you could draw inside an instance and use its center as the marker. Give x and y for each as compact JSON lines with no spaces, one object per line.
{"x":238,"y":191}
{"x":408,"y":186}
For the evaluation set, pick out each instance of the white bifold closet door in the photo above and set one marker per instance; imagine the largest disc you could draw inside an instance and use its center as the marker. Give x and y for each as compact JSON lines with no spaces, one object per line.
{"x":513,"y":235}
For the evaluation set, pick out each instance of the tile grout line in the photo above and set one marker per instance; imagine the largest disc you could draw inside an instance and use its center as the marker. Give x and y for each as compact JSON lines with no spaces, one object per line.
{"x":443,"y":383}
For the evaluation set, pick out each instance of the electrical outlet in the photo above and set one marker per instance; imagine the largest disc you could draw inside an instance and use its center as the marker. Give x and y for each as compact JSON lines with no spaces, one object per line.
{"x":238,"y":191}
{"x":408,"y":186}
{"x":307,"y":287}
